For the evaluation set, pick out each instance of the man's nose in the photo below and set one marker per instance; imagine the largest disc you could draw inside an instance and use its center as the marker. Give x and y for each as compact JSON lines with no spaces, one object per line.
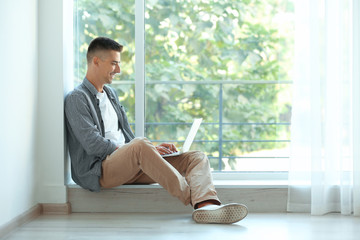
{"x":117,"y":69}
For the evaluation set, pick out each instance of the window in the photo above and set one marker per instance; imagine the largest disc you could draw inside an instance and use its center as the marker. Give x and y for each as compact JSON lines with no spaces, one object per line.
{"x":115,"y":19}
{"x":226,"y":61}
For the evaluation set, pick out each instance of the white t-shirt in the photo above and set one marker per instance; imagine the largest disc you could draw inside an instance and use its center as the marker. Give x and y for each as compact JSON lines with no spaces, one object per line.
{"x":110,"y":119}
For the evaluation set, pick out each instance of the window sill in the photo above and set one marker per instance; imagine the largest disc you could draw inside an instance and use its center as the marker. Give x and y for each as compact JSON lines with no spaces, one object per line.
{"x":240,"y":184}
{"x":259,"y":196}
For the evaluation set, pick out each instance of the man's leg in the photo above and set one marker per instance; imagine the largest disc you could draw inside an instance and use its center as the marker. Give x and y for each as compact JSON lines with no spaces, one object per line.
{"x":139,"y":162}
{"x":195,"y":167}
{"x":130,"y":162}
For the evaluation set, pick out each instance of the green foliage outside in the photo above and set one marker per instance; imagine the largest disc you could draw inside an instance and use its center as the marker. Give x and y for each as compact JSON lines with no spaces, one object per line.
{"x":191,"y":48}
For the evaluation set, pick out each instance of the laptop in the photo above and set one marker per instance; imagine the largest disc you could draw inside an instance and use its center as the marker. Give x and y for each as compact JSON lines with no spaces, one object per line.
{"x":189,"y":139}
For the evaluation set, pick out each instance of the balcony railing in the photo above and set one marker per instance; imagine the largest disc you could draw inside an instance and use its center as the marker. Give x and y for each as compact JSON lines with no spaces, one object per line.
{"x":220,"y":141}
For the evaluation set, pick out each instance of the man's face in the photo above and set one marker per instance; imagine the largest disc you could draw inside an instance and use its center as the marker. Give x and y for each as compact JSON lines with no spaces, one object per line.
{"x":109,"y":65}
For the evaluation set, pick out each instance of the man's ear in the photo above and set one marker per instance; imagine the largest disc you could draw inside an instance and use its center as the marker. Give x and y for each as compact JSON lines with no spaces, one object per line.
{"x":96,"y":60}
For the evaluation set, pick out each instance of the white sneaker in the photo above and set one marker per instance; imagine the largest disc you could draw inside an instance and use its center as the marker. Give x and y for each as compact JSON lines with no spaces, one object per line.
{"x":229,"y":213}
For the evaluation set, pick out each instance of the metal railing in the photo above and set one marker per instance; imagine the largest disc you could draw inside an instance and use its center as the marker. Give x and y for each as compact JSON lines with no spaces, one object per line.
{"x":221,"y":123}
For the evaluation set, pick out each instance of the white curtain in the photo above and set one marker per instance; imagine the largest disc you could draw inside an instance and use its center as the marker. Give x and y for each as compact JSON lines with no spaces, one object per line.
{"x":324,"y":173}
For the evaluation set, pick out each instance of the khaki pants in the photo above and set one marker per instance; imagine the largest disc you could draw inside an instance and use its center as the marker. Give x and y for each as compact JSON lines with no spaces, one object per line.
{"x":186,"y":176}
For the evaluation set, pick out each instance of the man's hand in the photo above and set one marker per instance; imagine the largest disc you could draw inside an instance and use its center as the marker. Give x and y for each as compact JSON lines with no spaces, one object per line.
{"x":166,"y":148}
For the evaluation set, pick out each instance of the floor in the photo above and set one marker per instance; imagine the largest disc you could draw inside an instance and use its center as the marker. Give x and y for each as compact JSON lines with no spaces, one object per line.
{"x":85,"y":226}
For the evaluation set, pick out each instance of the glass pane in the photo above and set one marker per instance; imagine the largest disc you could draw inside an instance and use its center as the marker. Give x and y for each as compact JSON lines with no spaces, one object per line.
{"x":271,"y":149}
{"x":108,"y":18}
{"x":171,"y":108}
{"x":257,"y":131}
{"x":266,"y":155}
{"x":177,"y":132}
{"x":229,"y":62}
{"x":259,"y":103}
{"x":255,"y":164}
{"x":167,"y":102}
{"x":126,"y":94}
{"x":219,"y":40}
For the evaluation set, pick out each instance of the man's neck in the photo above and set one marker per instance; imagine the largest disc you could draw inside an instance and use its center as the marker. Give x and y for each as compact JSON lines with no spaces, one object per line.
{"x":99,"y":87}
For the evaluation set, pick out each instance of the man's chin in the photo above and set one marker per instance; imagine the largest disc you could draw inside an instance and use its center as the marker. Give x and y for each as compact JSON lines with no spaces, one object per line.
{"x":112,"y":77}
{"x":110,"y":80}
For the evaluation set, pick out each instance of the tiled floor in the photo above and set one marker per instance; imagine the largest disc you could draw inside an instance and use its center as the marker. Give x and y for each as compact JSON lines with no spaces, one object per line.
{"x":151,"y":226}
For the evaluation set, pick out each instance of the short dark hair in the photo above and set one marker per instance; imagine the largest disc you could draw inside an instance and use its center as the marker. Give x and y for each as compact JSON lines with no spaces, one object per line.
{"x":102,"y":43}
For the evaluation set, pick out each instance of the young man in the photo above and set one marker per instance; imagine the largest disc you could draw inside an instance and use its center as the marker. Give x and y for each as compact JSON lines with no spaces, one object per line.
{"x":104,"y":152}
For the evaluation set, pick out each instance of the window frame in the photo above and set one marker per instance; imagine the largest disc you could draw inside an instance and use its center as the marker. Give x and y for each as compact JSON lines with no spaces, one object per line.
{"x":140,"y":97}
{"x":140,"y":84}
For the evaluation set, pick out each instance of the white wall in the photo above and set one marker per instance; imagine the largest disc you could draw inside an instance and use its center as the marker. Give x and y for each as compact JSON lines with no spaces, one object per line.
{"x":54,"y":43}
{"x":36,"y":38}
{"x":18,"y":98}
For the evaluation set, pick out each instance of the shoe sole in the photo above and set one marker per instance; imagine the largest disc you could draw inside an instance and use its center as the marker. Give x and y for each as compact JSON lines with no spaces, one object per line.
{"x":226,"y":214}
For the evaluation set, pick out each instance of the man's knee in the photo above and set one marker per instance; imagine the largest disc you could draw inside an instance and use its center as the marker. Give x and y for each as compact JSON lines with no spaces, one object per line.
{"x":198,"y":157}
{"x":140,"y":143}
{"x":200,"y":154}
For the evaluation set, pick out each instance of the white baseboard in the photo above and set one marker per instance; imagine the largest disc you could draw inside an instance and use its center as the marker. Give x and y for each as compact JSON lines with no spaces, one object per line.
{"x":20,"y":220}
{"x":56,"y":208}
{"x":32,"y":213}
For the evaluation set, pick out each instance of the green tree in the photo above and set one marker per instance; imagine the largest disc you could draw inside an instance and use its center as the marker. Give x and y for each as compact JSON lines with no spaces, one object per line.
{"x":196,"y":43}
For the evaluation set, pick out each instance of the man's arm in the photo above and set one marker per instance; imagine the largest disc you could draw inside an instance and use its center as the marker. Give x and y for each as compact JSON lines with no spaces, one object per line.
{"x":83,"y":125}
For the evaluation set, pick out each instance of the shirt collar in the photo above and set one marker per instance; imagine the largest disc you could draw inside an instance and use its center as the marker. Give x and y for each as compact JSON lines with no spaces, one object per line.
{"x":89,"y":86}
{"x":93,"y":90}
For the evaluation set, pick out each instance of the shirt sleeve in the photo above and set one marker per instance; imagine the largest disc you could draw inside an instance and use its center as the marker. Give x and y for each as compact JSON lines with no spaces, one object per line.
{"x":84,"y":126}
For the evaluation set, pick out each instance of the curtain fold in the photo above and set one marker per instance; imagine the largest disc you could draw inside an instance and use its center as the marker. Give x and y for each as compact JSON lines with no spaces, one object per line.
{"x":324,"y":163}
{"x":356,"y":102}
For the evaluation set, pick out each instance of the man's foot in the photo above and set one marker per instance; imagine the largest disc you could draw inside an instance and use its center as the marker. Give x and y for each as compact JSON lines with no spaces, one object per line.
{"x":229,"y":213}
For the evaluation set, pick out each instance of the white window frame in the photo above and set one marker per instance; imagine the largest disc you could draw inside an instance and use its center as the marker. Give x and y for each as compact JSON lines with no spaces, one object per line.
{"x":225,"y":178}
{"x":139,"y":68}
{"x":140,"y":106}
